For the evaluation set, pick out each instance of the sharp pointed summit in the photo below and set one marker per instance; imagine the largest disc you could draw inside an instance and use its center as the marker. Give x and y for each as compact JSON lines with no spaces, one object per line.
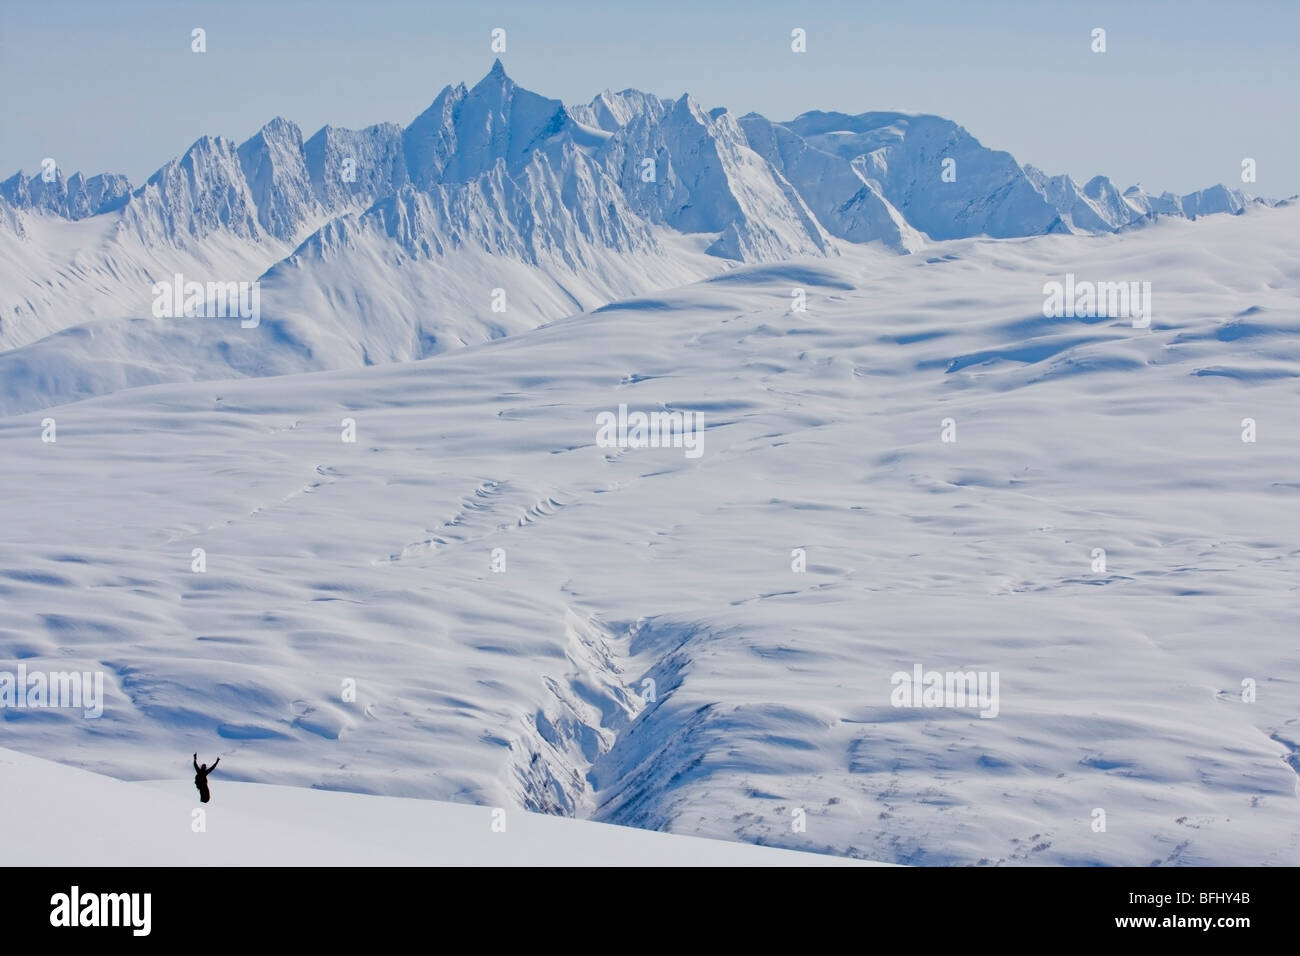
{"x":495,"y":79}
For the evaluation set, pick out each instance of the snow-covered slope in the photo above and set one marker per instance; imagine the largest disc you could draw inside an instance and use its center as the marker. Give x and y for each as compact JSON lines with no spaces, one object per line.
{"x":648,"y":656}
{"x":59,"y":274}
{"x":274,"y":164}
{"x":696,"y":172}
{"x":106,"y":822}
{"x":848,"y":203}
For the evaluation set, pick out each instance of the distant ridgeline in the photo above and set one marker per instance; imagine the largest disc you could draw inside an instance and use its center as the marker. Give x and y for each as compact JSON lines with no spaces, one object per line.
{"x":613,"y":166}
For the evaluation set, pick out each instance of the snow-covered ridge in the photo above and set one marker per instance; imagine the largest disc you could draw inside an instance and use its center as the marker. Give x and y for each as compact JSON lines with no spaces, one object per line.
{"x":74,"y":197}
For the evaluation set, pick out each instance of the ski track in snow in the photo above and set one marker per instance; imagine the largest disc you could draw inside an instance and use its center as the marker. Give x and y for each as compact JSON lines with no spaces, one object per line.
{"x":329,"y":561}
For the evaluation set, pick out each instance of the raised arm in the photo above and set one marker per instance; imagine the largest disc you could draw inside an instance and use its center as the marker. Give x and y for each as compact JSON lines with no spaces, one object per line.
{"x":214,"y":765}
{"x":196,"y":761}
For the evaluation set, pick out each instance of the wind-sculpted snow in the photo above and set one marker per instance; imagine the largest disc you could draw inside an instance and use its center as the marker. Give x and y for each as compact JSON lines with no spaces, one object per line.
{"x":647,"y":655}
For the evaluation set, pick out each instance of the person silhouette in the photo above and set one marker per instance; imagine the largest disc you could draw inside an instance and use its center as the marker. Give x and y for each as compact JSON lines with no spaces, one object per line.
{"x":201,"y":778}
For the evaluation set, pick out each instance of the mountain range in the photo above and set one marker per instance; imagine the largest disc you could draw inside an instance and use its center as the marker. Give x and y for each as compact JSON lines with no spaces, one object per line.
{"x":495,"y":210}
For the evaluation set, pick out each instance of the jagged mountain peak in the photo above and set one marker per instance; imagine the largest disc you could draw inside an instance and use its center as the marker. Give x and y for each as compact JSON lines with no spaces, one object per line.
{"x":495,"y":82}
{"x":275,"y":169}
{"x":686,"y":107}
{"x":430,"y":141}
{"x":276,"y":129}
{"x":71,"y":197}
{"x":349,"y":167}
{"x":202,"y":191}
{"x":465,"y":132}
{"x":611,"y":111}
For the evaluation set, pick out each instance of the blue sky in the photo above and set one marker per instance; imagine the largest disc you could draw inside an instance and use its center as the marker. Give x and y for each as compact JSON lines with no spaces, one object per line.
{"x":1184,"y":92}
